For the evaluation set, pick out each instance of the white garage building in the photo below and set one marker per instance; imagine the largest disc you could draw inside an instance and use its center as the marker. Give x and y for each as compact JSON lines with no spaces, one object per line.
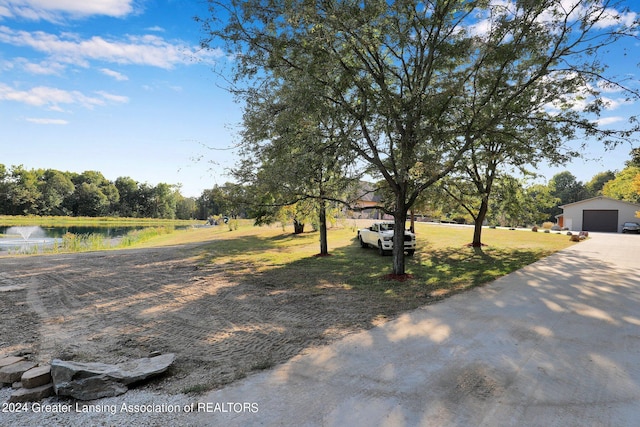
{"x":598,"y":214}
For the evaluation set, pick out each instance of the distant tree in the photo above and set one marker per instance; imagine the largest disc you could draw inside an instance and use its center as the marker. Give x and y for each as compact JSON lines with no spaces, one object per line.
{"x":635,"y":158}
{"x":208,"y":203}
{"x":186,"y":207}
{"x":24,"y":192}
{"x":229,"y":199}
{"x":594,"y":187}
{"x":509,"y":205}
{"x":5,"y":201}
{"x":567,"y":189}
{"x":52,"y":192}
{"x":538,"y":201}
{"x":146,"y":200}
{"x":55,"y":187}
{"x":128,"y":204}
{"x":623,"y":186}
{"x":89,"y":200}
{"x":636,"y":188}
{"x":164,"y":201}
{"x":94,"y":195}
{"x":514,"y":204}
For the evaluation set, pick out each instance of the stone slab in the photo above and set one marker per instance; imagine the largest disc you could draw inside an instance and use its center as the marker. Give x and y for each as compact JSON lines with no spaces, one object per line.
{"x":32,"y":394}
{"x":12,"y":373}
{"x":10,"y":360}
{"x":37,"y":376}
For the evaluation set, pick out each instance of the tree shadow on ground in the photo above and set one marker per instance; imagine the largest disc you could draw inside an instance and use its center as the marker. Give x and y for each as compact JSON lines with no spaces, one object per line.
{"x":226,"y":314}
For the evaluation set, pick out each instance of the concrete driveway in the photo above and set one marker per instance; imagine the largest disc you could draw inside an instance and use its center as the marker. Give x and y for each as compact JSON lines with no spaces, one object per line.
{"x":554,"y":344}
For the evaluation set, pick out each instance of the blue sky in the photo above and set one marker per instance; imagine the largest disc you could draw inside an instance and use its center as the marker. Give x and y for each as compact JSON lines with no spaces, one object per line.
{"x":121,"y":87}
{"x":118,"y":86}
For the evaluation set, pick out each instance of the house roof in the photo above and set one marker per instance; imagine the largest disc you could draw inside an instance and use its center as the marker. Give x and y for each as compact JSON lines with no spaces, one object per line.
{"x":366,"y":192}
{"x":600,"y":198}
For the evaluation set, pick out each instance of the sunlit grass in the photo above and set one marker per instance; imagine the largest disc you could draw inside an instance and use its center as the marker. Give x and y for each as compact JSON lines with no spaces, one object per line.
{"x":268,"y":256}
{"x":61,"y":221}
{"x":443,"y":263}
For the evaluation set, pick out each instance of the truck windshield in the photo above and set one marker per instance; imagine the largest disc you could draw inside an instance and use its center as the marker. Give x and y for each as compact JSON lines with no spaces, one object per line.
{"x":385,"y":227}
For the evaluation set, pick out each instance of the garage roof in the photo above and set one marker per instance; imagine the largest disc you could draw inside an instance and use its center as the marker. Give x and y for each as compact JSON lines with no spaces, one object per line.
{"x":600,"y":198}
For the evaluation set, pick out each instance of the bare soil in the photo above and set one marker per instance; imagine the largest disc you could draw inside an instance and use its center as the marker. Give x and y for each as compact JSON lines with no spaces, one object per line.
{"x":116,"y":305}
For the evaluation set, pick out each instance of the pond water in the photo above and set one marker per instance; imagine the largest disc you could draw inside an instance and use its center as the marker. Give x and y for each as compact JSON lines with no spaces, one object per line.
{"x":26,"y":238}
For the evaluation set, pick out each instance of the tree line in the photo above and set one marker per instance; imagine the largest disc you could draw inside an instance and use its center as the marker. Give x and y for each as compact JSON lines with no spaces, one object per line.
{"x":53,"y":192}
{"x":514,"y":203}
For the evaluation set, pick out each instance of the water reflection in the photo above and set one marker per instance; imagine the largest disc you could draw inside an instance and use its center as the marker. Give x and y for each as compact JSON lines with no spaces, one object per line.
{"x":32,"y":238}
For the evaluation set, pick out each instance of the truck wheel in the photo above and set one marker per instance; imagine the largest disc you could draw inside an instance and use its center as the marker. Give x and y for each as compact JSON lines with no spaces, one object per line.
{"x":381,"y":251}
{"x":362,"y":244}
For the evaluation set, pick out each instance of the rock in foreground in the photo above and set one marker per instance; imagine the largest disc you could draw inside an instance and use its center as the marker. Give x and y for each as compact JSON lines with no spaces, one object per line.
{"x":88,"y":381}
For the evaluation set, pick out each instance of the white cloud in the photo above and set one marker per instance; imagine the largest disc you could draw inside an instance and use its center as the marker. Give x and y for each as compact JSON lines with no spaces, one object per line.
{"x":113,"y":98}
{"x":612,"y":17}
{"x":47,"y":121}
{"x":613,"y":104}
{"x":52,"y":98}
{"x":116,"y":75}
{"x":148,"y":50}
{"x":53,"y":10}
{"x":44,"y":68}
{"x":609,"y":120}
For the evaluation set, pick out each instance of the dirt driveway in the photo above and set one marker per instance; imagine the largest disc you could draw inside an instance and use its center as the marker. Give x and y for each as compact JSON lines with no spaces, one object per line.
{"x":113,"y":306}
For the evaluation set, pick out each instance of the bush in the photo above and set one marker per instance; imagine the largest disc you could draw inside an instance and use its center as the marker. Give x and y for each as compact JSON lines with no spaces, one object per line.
{"x":547,"y":225}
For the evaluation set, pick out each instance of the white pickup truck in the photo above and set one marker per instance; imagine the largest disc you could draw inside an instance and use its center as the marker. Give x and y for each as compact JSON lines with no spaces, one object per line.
{"x":380,"y":235}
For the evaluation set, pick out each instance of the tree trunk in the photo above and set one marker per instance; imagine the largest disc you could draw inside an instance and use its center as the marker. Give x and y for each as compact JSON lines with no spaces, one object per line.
{"x":413,"y":222}
{"x":324,"y":247}
{"x":298,"y":227}
{"x":400,"y":220}
{"x":479,"y":220}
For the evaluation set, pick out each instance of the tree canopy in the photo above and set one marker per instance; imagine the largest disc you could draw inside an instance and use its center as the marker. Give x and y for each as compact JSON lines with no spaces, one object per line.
{"x":425,"y":82}
{"x":52,"y":192}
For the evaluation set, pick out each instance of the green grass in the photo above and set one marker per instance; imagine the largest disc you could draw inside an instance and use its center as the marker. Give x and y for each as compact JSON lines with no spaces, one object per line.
{"x":60,"y":221}
{"x":443,"y":263}
{"x":267,"y":256}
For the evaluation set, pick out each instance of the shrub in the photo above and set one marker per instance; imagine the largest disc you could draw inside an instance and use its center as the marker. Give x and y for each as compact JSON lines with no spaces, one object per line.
{"x":547,"y":225}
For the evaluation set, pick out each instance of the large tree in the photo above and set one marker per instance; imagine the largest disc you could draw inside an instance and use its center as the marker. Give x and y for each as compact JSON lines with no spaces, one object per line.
{"x":426,"y":81}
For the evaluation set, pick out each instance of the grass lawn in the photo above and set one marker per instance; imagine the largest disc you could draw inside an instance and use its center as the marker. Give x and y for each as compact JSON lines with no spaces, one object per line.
{"x":62,"y":221}
{"x":443,"y":263}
